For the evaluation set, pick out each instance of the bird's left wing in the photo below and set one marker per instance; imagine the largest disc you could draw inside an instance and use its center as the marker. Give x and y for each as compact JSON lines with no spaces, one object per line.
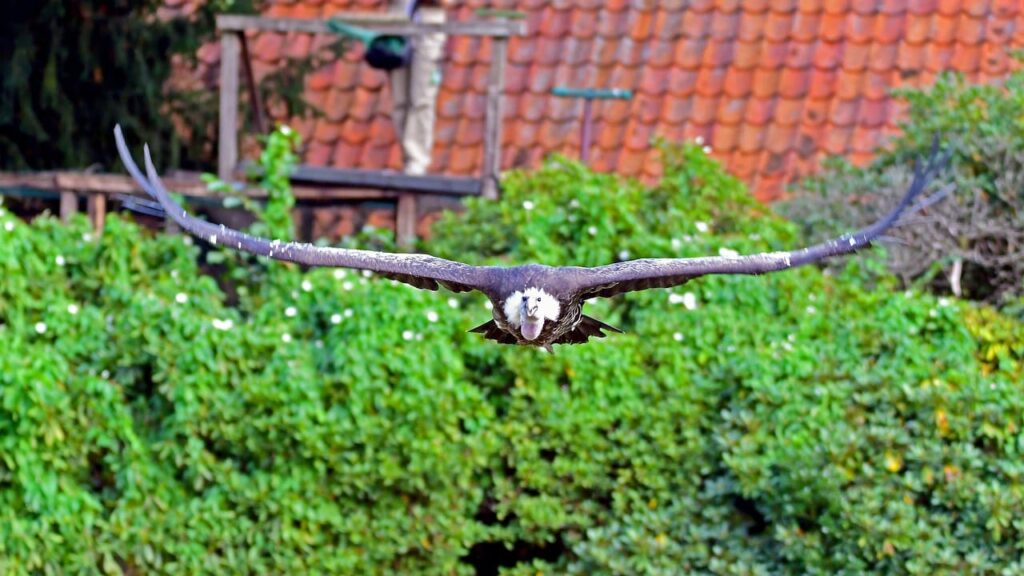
{"x":605,"y":281}
{"x":420,"y":270}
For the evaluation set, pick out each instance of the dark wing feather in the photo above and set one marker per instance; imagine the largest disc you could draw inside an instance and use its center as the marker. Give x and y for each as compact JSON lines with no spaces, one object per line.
{"x":491,"y":331}
{"x":419,"y":270}
{"x":586,"y":329}
{"x":604,"y":281}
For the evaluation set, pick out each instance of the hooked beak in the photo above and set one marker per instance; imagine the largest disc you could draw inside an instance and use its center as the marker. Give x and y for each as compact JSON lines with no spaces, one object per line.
{"x":530,"y":329}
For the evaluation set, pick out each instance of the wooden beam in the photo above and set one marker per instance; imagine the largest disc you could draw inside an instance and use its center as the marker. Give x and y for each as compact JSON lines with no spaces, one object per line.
{"x":97,"y":204}
{"x":493,"y":120}
{"x":227,"y":138}
{"x":78,"y":183}
{"x":405,"y":221}
{"x":379,"y":22}
{"x":389,"y":180}
{"x":258,"y":118}
{"x":68,"y":205}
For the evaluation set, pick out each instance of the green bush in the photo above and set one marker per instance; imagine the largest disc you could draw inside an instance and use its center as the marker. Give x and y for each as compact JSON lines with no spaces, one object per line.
{"x":972,"y":244}
{"x":332,"y":423}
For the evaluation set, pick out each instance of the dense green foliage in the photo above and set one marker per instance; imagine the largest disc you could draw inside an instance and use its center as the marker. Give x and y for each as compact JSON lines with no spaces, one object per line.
{"x":329,"y":422}
{"x":976,"y":237}
{"x":71,"y":69}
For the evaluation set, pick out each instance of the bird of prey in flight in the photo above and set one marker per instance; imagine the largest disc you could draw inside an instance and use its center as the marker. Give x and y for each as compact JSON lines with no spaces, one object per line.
{"x":534,"y":305}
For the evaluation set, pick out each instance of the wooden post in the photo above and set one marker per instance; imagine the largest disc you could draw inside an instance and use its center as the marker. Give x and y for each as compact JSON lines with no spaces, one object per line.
{"x":405,"y":220}
{"x":97,"y":204}
{"x":492,"y":126}
{"x":254,"y":92}
{"x":227,"y":139}
{"x":68,"y":205}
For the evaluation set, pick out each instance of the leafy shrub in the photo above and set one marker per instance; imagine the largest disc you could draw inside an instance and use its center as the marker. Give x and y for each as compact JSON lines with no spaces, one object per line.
{"x":793,"y":423}
{"x":975,"y":238}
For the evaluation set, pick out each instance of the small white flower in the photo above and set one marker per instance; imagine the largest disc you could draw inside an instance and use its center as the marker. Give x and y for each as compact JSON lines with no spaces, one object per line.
{"x":286,"y":337}
{"x":8,"y":225}
{"x":908,"y":294}
{"x":690,"y":301}
{"x":676,"y":244}
{"x":592,"y":230}
{"x":943,"y":302}
{"x":574,"y":203}
{"x":675,"y":299}
{"x":699,"y":140}
{"x":59,"y":260}
{"x":707,"y":149}
{"x":86,"y":237}
{"x":213,"y":239}
{"x":432,"y":316}
{"x":346,"y":286}
{"x":286,"y":130}
{"x":453,"y":303}
{"x":624,"y":255}
{"x":105,"y":374}
{"x":791,"y":337}
{"x":348,"y":312}
{"x":407,"y":335}
{"x":174,"y":274}
{"x":933,"y":313}
{"x":787,"y":346}
{"x":367,"y":273}
{"x":527,"y":205}
{"x":290,"y":311}
{"x":181,"y":297}
{"x":339,"y":274}
{"x":186,"y":239}
{"x":72,"y":309}
{"x":678,"y":337}
{"x":701,"y":226}
{"x":41,"y":327}
{"x":488,"y":305}
{"x":853,"y":241}
{"x":812,"y":297}
{"x":728,"y":253}
{"x":811,"y":309}
{"x":307,"y":285}
{"x":335,"y":318}
{"x":393,"y":282}
{"x":319,"y":344}
{"x":226,"y":324}
{"x":755,"y":237}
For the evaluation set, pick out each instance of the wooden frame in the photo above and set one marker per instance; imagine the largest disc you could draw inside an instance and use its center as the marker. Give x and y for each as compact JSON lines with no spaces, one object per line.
{"x":234,"y":51}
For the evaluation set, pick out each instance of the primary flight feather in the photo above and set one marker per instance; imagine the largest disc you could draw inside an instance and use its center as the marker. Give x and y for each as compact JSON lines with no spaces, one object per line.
{"x":534,"y":305}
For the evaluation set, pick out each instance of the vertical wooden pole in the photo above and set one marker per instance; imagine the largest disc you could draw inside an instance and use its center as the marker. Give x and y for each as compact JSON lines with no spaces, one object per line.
{"x":97,"y":205}
{"x":68,"y":204}
{"x":492,"y":122}
{"x":405,"y":220}
{"x":254,"y":92}
{"x":227,"y":139}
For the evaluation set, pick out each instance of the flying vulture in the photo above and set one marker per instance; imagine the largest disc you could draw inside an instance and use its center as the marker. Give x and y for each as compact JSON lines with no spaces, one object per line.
{"x":533,"y":305}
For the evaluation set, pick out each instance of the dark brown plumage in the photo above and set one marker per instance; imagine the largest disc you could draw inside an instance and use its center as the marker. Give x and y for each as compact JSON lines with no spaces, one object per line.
{"x":533,"y":305}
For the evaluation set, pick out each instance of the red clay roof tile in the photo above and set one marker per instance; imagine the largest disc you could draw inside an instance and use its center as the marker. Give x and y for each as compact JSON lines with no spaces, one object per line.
{"x":773,"y":85}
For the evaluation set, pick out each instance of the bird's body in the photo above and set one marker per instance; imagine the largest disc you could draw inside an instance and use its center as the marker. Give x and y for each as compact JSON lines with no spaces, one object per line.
{"x":532,"y":305}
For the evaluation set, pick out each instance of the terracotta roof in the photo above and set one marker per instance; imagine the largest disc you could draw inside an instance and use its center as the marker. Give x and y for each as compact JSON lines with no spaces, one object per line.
{"x":771,"y":85}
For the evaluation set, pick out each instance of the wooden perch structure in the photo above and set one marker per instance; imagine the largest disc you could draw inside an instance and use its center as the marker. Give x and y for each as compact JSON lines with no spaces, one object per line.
{"x":234,"y":52}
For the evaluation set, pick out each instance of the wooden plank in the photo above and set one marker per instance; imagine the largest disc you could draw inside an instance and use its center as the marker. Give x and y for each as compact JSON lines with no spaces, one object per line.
{"x":68,"y":205}
{"x":492,"y":122}
{"x":97,"y":204}
{"x":379,"y":22}
{"x":227,"y":138}
{"x":389,"y":180}
{"x":77,"y":183}
{"x":405,"y":220}
{"x":255,"y":102}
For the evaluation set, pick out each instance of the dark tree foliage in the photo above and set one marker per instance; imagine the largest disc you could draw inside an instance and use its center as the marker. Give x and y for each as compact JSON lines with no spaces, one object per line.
{"x":70,"y":69}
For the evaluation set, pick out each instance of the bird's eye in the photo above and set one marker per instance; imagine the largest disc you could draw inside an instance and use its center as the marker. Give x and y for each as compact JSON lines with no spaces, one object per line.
{"x":538,"y":298}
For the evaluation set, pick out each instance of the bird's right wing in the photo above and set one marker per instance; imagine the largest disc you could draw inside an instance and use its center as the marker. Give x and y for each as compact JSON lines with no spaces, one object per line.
{"x":419,"y":270}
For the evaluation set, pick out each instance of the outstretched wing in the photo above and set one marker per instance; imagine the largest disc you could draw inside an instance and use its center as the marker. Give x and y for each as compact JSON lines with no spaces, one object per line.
{"x":604,"y":281}
{"x":419,"y":270}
